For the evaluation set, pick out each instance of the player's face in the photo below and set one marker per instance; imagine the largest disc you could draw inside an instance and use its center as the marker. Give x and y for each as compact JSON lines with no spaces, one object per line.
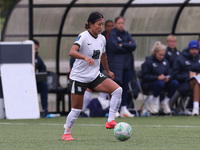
{"x":171,"y":43}
{"x":97,"y":27}
{"x":160,"y":55}
{"x":36,"y":48}
{"x":109,"y":26}
{"x":120,"y":24}
{"x":194,"y":52}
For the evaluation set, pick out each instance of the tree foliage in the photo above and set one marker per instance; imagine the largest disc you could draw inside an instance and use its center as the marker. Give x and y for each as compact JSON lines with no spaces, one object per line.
{"x":5,"y":6}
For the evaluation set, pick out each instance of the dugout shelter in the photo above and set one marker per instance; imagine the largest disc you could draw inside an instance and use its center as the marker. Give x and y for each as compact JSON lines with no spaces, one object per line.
{"x":56,"y":24}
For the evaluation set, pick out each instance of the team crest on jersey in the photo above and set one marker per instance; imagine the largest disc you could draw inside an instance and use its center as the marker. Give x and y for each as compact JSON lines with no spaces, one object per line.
{"x":164,"y":63}
{"x":78,"y":37}
{"x":187,"y":62}
{"x":155,"y":65}
{"x":119,"y":38}
{"x":169,"y":53}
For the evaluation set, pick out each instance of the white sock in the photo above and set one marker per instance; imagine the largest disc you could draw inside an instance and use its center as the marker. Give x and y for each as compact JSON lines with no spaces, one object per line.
{"x":71,"y":119}
{"x":196,"y":104}
{"x":86,"y":99}
{"x":115,"y":103}
{"x":123,"y":109}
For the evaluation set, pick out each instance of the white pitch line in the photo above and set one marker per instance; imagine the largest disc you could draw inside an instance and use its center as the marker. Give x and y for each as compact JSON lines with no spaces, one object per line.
{"x":168,"y":126}
{"x":95,"y":125}
{"x":8,"y":123}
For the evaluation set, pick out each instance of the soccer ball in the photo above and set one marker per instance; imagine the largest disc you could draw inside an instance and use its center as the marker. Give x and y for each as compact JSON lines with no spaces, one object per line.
{"x":123,"y":131}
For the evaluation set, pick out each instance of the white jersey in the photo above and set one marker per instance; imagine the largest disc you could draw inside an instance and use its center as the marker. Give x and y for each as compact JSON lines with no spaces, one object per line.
{"x":91,"y":47}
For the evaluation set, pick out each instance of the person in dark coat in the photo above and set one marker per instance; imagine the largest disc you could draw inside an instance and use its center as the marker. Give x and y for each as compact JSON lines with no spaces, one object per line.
{"x":172,"y":52}
{"x":185,"y":67}
{"x":156,"y":77}
{"x":120,"y":47}
{"x":42,"y":85}
{"x":109,"y":25}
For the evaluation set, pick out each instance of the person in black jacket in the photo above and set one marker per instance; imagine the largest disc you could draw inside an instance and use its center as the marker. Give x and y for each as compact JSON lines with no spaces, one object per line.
{"x":42,"y":85}
{"x":172,"y":52}
{"x":185,"y":67}
{"x":156,"y":77}
{"x":120,"y":47}
{"x":109,"y":25}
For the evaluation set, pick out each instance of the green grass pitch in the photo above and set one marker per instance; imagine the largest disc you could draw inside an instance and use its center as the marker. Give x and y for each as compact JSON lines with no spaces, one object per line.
{"x":149,"y":133}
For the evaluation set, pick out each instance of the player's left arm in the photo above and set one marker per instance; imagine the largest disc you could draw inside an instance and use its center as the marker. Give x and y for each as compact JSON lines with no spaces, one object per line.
{"x":105,"y":65}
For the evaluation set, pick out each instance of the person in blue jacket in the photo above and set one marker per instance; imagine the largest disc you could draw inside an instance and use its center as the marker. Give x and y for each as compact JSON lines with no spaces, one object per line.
{"x":156,"y":77}
{"x":120,"y":48}
{"x":185,"y":67}
{"x":42,"y":85}
{"x":109,"y":25}
{"x":171,"y":52}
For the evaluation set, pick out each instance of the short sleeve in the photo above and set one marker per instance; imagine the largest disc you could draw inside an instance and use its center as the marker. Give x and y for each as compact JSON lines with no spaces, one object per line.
{"x":104,"y":49}
{"x":79,"y":40}
{"x":104,"y":44}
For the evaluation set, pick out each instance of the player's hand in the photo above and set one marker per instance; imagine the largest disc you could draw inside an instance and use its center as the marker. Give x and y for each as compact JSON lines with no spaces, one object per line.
{"x":192,"y":74}
{"x":161,"y":77}
{"x":166,"y":79}
{"x":89,"y":61}
{"x":111,"y":75}
{"x":120,"y":44}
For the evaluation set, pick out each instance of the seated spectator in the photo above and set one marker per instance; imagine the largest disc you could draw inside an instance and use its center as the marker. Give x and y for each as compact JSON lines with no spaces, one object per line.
{"x":186,"y":66}
{"x":172,"y":52}
{"x":42,"y":85}
{"x":156,"y":77}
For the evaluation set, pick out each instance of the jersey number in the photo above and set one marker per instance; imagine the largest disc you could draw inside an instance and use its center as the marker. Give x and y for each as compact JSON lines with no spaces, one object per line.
{"x":96,"y":54}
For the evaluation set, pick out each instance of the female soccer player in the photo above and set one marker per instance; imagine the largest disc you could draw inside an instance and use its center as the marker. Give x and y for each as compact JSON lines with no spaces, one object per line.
{"x":89,"y":49}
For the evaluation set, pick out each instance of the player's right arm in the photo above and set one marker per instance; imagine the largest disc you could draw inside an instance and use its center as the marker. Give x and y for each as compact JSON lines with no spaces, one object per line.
{"x":74,"y":53}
